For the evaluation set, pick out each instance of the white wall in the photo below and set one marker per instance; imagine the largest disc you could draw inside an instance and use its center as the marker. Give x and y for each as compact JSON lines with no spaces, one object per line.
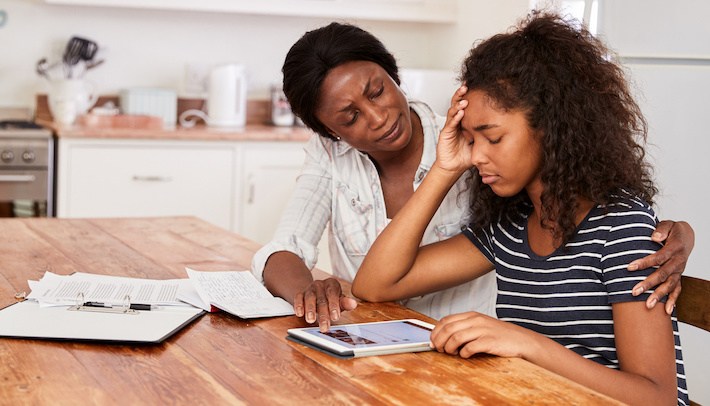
{"x":152,"y":48}
{"x":665,"y":46}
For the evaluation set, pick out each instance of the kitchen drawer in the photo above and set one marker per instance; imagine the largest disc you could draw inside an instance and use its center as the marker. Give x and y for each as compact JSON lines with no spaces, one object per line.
{"x":118,"y":178}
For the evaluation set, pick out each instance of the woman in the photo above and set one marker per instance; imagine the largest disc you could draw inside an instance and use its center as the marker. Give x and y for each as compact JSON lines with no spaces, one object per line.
{"x":561,"y":195}
{"x":374,"y":149}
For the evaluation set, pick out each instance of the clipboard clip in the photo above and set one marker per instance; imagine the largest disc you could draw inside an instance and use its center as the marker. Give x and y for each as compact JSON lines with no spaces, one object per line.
{"x":82,"y":306}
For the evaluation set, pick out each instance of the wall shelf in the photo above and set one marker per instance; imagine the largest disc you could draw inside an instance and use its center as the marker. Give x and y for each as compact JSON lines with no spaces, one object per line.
{"x":424,"y":11}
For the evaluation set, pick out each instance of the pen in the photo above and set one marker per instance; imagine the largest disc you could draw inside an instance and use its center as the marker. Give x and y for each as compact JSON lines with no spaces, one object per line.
{"x":133,"y":306}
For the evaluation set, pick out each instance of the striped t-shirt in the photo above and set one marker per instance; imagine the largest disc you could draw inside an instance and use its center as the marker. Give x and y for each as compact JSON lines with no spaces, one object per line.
{"x":567,"y":295}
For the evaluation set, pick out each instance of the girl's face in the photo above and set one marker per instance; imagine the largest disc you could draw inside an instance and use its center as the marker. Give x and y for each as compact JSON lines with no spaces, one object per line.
{"x":361,"y":104}
{"x":504,"y":149}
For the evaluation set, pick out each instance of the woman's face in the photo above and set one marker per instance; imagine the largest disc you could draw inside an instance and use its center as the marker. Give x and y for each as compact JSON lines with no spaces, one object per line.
{"x":361,"y":104}
{"x":505,"y":150}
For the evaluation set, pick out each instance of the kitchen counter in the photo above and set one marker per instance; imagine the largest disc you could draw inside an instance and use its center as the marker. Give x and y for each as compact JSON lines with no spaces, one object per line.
{"x":252,"y":132}
{"x":137,"y":127}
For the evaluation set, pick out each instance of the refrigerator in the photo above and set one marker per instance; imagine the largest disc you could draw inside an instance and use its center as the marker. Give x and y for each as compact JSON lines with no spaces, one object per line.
{"x":666,"y":48}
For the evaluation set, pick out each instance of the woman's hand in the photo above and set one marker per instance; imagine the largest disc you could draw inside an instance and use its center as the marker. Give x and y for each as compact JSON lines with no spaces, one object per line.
{"x":322,"y":300}
{"x":679,"y":240}
{"x":287,"y":276}
{"x":452,"y":151}
{"x":468,"y":334}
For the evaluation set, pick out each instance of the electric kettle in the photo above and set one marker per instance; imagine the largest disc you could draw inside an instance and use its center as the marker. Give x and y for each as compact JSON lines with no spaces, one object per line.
{"x":226,"y":99}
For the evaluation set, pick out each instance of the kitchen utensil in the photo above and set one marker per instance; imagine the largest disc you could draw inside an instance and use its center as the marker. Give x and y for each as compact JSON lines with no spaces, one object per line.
{"x":226,"y":100}
{"x":42,"y":67}
{"x":92,"y":64}
{"x":86,"y":66}
{"x":78,"y":49}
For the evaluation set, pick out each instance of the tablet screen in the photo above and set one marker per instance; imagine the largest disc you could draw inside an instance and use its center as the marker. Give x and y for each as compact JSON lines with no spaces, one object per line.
{"x":398,"y":333}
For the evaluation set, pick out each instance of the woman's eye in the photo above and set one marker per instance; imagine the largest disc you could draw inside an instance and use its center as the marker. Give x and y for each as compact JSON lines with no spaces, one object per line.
{"x":470,"y":142}
{"x":495,"y":140}
{"x":378,"y":93}
{"x":353,"y":119}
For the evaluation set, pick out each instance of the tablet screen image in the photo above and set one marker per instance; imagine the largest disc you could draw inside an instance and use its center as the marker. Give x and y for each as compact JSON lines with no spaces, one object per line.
{"x":362,"y":339}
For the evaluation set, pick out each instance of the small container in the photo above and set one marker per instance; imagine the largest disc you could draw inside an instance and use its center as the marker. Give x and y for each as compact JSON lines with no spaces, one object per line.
{"x":151,"y":102}
{"x":281,"y":114}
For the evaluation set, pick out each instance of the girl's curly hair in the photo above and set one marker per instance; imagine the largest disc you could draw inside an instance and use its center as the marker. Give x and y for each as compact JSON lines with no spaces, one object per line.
{"x":592,"y":130}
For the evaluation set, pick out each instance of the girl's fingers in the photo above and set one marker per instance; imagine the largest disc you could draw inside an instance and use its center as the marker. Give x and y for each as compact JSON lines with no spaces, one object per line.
{"x":458,"y":96}
{"x":455,"y":115}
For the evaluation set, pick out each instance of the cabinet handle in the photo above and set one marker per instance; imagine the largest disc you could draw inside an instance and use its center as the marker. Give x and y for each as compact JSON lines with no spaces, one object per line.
{"x":250,"y":200}
{"x":17,"y":178}
{"x":250,"y":197}
{"x":139,"y":178}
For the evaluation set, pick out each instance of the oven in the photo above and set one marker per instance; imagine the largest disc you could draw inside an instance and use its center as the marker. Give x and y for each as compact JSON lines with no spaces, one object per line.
{"x":26,"y":169}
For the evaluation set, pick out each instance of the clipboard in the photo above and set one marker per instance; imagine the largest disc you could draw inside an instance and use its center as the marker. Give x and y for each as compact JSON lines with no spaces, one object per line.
{"x":27,"y":319}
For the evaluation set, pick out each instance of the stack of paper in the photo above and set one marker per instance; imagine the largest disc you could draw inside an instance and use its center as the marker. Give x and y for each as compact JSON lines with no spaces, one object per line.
{"x":79,"y":287}
{"x":235,"y":292}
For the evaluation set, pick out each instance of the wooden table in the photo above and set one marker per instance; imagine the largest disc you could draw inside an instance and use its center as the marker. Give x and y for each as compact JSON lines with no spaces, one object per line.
{"x":220,"y":359}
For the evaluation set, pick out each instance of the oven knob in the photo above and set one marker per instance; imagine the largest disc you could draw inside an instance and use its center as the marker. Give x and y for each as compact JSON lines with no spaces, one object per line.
{"x":28,"y":156}
{"x":7,"y":156}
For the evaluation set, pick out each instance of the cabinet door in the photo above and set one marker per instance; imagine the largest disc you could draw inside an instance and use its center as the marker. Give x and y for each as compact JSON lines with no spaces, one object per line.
{"x":270,"y":170}
{"x":135,"y":179}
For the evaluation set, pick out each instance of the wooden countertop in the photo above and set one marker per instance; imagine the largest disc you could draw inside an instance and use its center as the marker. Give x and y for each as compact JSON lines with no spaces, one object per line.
{"x":221,"y":359}
{"x":252,"y":132}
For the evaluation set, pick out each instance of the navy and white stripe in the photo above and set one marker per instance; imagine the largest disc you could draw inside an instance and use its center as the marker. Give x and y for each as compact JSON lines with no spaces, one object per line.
{"x":567,"y":295}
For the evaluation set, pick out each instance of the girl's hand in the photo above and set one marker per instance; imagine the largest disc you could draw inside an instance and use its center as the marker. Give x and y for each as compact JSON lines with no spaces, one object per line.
{"x":453,"y":152}
{"x":468,"y":334}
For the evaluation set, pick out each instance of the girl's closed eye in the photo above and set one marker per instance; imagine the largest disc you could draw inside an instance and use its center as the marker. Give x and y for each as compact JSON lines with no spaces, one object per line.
{"x":495,"y":140}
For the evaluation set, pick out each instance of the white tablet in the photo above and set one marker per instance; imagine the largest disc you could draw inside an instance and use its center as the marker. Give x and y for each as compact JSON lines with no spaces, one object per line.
{"x":363,"y":339}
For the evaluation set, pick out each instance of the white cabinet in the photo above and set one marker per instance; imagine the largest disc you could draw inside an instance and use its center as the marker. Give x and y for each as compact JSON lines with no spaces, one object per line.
{"x":269,"y":173}
{"x":431,"y":11}
{"x":240,"y":186}
{"x":137,"y":178}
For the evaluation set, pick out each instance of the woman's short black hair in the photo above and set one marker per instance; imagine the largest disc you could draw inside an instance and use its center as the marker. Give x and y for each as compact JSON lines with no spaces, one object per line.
{"x":317,"y":52}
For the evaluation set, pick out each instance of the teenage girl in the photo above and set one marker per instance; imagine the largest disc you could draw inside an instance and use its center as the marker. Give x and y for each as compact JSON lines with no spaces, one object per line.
{"x":561,"y":207}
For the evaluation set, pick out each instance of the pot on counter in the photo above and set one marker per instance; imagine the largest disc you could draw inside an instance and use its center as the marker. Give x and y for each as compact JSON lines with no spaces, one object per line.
{"x":70,"y":98}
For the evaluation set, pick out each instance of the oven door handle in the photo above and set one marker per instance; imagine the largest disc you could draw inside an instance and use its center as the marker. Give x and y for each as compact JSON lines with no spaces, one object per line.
{"x":17,"y":178}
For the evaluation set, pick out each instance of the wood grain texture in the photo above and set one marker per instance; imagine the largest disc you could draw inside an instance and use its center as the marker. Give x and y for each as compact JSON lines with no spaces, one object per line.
{"x":221,"y":359}
{"x":693,"y":305}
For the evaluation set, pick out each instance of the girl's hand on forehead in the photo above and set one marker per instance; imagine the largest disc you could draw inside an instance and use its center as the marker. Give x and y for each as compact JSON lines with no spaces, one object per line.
{"x":453,"y":152}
